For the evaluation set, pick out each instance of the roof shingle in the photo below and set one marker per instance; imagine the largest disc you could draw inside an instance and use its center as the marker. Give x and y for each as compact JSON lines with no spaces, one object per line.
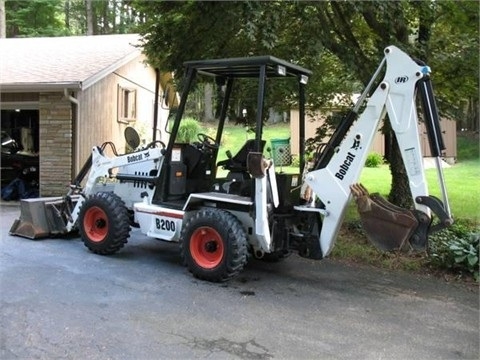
{"x":63,"y":61}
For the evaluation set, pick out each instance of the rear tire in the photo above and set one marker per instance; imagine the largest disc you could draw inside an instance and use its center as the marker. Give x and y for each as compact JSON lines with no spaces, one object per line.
{"x":213,"y":245}
{"x":104,"y":223}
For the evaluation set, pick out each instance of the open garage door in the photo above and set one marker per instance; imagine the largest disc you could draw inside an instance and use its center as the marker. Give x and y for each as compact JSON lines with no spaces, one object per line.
{"x":20,"y":162}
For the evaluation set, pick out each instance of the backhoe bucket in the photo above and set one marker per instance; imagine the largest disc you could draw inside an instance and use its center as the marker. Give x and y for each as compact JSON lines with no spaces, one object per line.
{"x":387,"y":226}
{"x":40,"y":218}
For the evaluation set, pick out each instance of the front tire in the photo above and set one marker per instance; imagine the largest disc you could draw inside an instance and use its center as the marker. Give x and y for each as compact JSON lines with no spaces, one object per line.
{"x":104,"y":223}
{"x":213,"y":245}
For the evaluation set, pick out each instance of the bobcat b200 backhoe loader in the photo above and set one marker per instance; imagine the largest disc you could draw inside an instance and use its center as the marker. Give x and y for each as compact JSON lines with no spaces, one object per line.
{"x":173,"y":192}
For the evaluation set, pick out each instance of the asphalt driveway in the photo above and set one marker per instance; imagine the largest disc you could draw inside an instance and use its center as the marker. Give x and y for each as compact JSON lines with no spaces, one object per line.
{"x":59,"y":301}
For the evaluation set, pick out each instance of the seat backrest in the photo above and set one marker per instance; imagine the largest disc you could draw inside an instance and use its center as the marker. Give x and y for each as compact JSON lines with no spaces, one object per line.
{"x":241,"y":156}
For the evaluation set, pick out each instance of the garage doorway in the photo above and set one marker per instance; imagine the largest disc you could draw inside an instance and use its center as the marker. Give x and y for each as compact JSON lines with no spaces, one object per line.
{"x":20,"y":162}
{"x":23,"y":127}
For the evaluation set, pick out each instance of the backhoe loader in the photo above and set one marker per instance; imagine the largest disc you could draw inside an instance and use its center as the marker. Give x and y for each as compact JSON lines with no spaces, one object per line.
{"x":222,"y":212}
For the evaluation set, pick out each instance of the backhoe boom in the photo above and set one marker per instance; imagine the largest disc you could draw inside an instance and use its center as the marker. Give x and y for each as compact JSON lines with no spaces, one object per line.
{"x":344,"y":157}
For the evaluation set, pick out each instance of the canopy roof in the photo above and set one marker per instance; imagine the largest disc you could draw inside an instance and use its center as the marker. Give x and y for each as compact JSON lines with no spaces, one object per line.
{"x":247,"y":67}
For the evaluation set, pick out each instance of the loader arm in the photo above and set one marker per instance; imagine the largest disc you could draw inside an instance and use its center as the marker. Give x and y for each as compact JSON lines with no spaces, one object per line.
{"x":102,"y":165}
{"x":43,"y":217}
{"x":341,"y":162}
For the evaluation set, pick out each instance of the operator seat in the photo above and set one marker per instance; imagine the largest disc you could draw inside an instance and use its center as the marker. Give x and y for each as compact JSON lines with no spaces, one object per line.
{"x":238,"y":163}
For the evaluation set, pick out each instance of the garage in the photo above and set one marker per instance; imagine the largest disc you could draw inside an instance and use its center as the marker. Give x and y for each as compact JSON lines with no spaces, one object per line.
{"x":68,"y":98}
{"x":20,"y":162}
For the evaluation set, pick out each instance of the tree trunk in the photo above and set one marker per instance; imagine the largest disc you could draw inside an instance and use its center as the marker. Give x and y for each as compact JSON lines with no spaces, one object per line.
{"x":114,"y":17}
{"x":400,"y":193}
{"x":66,"y":9}
{"x":105,"y":20}
{"x":89,"y":9}
{"x":473,"y":114}
{"x":3,"y":20}
{"x":122,"y":17}
{"x":208,"y":93}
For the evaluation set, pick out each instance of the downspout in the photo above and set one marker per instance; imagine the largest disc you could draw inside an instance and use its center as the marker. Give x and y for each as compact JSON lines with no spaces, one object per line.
{"x":77,"y":133}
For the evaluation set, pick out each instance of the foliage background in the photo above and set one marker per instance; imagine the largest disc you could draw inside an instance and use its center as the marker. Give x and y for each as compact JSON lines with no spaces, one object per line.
{"x":340,"y":41}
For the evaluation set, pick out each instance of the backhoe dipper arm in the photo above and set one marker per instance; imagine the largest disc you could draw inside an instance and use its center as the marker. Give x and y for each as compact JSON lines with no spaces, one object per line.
{"x":340,"y":169}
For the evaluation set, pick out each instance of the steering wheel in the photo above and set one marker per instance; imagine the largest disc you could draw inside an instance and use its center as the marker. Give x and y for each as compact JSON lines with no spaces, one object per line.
{"x":207,"y":141}
{"x":153,"y":144}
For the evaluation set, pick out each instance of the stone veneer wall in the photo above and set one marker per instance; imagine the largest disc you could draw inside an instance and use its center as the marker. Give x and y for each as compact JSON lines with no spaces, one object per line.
{"x":55,"y":123}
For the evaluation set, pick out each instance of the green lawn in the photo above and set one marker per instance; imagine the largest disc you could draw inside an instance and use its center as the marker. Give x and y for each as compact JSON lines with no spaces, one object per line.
{"x":462,"y":179}
{"x":463,"y":188}
{"x":234,"y":136}
{"x":462,"y":182}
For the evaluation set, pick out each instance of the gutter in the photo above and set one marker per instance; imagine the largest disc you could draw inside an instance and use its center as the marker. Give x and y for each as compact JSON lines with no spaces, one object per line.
{"x":40,"y":87}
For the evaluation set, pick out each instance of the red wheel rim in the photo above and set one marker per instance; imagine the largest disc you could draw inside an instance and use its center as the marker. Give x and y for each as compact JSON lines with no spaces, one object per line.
{"x":95,"y":224}
{"x":206,"y":247}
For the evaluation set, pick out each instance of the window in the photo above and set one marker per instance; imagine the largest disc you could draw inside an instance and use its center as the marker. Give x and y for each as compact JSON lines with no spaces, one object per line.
{"x":127,"y":104}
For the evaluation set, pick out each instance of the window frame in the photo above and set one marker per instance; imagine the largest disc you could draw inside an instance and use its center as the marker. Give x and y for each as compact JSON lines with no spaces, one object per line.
{"x":126,"y":104}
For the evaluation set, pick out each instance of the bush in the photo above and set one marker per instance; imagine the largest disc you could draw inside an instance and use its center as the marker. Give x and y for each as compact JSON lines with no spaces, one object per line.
{"x":467,"y":146}
{"x":188,"y":130}
{"x":295,"y":161}
{"x":456,"y":248}
{"x":374,"y":160}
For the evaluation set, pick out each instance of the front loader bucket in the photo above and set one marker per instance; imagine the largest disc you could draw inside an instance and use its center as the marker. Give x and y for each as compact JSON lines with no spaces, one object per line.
{"x":387,"y":226}
{"x":40,"y":218}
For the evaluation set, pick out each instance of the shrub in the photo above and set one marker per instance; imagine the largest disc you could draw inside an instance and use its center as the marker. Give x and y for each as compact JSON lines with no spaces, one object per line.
{"x":188,"y":130}
{"x":374,"y":160}
{"x":456,"y":248}
{"x":467,"y":146}
{"x":295,"y":161}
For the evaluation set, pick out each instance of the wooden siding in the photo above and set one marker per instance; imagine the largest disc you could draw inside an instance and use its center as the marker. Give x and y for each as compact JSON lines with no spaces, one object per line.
{"x":98,"y":109}
{"x":448,"y":131}
{"x":311,"y":126}
{"x":65,"y":141}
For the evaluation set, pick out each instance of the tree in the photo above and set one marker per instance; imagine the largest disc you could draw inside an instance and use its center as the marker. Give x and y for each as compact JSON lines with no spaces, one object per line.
{"x":89,"y":17}
{"x":34,"y":18}
{"x":3,"y":25}
{"x":454,"y":51}
{"x":328,"y":37}
{"x":68,"y":17}
{"x":178,"y":31}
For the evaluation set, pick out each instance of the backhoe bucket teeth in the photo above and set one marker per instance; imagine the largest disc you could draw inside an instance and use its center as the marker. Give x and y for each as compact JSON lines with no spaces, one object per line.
{"x":40,"y":218}
{"x":387,"y":226}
